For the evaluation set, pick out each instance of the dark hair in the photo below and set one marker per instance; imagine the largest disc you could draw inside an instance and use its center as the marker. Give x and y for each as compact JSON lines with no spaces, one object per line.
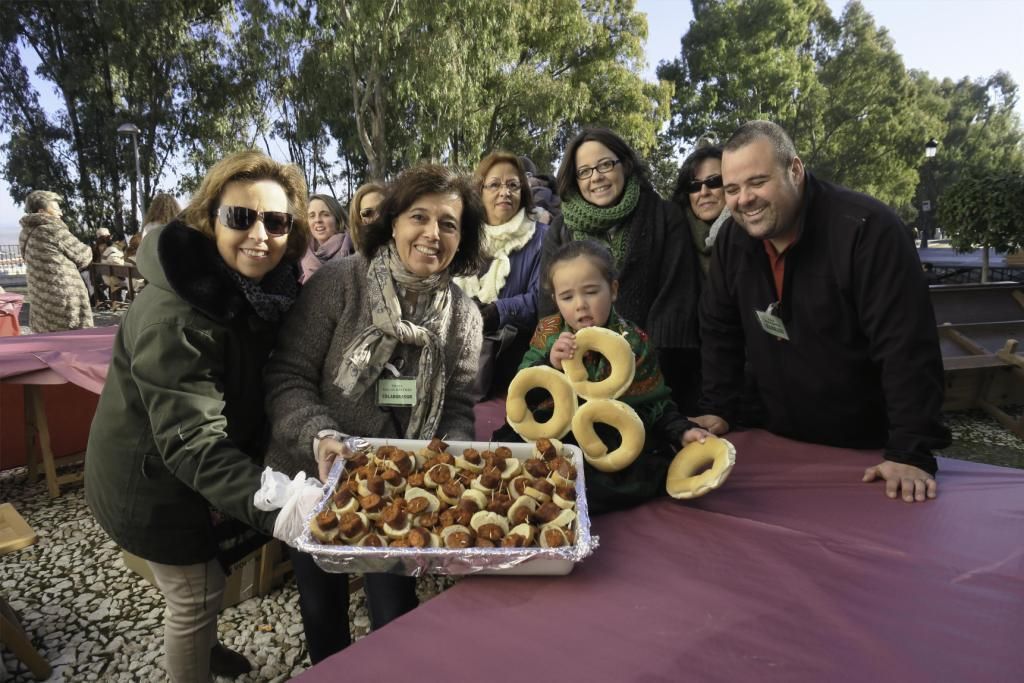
{"x":681,"y":195}
{"x":785,"y":150}
{"x":495,"y":158}
{"x":632,"y":165}
{"x":597,"y":253}
{"x":421,"y":180}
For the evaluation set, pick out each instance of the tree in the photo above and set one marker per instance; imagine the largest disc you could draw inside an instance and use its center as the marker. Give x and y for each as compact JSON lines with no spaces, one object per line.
{"x":985,"y":210}
{"x":156,"y":63}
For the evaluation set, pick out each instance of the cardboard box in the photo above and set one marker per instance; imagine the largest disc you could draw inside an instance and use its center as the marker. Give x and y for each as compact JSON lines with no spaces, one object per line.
{"x":242,"y":584}
{"x":15,"y":533}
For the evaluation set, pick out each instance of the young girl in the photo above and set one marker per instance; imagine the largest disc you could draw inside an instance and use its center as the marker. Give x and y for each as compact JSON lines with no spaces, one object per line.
{"x":581,"y":276}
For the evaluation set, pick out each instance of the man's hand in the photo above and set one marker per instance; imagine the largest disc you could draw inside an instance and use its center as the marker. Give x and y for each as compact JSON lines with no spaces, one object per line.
{"x":563,"y":348}
{"x":712,"y":423}
{"x":916,"y":484}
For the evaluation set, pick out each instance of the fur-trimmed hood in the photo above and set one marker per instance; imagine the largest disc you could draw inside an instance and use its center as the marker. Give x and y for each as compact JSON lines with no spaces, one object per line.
{"x":186,"y":262}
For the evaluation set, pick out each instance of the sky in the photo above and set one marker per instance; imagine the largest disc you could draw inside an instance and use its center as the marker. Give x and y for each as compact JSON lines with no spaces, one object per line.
{"x":953,"y":38}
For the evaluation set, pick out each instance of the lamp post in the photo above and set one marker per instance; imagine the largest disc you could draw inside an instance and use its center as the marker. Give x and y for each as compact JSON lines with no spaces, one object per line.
{"x":133,"y":130}
{"x":930,"y":148}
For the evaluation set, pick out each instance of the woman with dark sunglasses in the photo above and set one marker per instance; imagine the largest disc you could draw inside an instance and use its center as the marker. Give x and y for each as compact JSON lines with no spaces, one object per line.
{"x":393,"y":315}
{"x":607,"y":196}
{"x":700,"y":195}
{"x":180,"y":428}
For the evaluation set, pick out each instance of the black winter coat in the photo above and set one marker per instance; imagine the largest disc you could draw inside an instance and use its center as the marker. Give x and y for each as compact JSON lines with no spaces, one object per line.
{"x":659,"y":282}
{"x":862,"y":367}
{"x":180,"y":424}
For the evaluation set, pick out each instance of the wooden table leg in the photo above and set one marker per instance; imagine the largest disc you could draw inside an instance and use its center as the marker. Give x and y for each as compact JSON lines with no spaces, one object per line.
{"x":35,"y":418}
{"x":12,"y":635}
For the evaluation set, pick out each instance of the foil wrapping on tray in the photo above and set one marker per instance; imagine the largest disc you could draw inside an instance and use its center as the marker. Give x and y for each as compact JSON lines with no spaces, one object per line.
{"x":419,"y":561}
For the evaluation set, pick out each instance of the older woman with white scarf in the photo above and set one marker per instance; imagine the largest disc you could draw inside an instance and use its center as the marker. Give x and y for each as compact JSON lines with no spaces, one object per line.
{"x":387,"y":314}
{"x":506,"y":287}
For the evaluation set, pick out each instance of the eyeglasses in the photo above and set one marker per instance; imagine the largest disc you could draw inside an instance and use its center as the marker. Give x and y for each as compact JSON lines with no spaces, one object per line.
{"x":368,"y":214}
{"x":602,"y":167}
{"x":242,"y":218}
{"x":512,"y":186}
{"x":712,"y":181}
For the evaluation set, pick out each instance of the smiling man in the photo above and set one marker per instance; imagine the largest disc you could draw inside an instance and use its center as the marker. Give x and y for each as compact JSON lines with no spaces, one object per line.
{"x":821,"y":289}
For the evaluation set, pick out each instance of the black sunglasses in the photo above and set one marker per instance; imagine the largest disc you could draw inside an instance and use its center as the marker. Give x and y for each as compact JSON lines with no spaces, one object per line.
{"x":712,"y":181}
{"x":241,"y":218}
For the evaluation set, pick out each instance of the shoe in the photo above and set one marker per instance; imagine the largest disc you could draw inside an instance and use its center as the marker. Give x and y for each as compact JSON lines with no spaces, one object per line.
{"x":225,"y":662}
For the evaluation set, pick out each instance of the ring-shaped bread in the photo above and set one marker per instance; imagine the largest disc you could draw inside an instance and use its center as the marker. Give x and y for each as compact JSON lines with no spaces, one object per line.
{"x":621,"y":361}
{"x":618,"y":415}
{"x":518,"y":413}
{"x":717,"y":455}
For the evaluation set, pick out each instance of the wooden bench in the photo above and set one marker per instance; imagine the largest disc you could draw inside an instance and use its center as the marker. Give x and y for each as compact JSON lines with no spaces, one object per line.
{"x":127,"y":274}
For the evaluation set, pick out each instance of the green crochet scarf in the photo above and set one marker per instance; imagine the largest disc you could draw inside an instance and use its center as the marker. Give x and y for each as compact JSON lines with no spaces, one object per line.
{"x":593,"y":222}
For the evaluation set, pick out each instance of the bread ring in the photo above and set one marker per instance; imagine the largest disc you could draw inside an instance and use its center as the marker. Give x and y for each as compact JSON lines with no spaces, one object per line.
{"x":718,"y":453}
{"x":616,"y":349}
{"x":621,"y":417}
{"x":519,"y":416}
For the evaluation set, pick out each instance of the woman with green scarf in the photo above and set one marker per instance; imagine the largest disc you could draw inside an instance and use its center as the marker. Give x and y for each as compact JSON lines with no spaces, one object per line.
{"x":607,"y":196}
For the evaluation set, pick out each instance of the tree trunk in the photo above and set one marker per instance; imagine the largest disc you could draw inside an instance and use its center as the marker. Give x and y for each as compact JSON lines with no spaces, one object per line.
{"x":984,"y":264}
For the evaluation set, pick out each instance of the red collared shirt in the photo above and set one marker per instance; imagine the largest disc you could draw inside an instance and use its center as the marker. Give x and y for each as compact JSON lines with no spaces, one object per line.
{"x":777,"y":260}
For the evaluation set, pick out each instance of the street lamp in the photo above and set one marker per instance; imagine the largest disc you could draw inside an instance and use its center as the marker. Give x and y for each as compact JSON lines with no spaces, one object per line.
{"x":930,"y":148}
{"x":133,"y":130}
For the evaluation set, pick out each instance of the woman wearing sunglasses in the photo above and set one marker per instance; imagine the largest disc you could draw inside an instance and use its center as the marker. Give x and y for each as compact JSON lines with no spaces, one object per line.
{"x":396,"y":321}
{"x":607,"y":196}
{"x":362,"y":211}
{"x":700,"y":195}
{"x":180,"y":426}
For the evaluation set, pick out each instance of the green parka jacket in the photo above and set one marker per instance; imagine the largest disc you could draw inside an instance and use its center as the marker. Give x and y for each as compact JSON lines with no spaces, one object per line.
{"x":180,"y":425}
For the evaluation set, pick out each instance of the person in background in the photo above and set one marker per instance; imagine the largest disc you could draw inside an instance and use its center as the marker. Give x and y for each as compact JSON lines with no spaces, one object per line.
{"x":700,"y":195}
{"x":393,"y":308}
{"x":327,"y":226}
{"x":506,"y":288}
{"x":820,"y":288}
{"x":180,"y":428}
{"x":162,"y":210}
{"x":57,"y":296}
{"x":607,"y":196}
{"x":546,"y":204}
{"x":362,"y":211}
{"x":107,"y":252}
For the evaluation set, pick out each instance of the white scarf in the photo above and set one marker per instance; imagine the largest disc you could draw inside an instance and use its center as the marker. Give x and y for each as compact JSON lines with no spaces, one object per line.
{"x":499,"y":242}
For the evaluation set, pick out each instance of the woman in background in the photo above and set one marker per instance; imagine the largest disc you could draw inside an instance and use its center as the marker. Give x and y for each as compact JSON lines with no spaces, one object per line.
{"x":700,"y":195}
{"x":327,"y":227}
{"x":362,"y":211}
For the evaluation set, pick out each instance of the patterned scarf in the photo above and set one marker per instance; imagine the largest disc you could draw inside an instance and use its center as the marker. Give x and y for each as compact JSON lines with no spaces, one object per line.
{"x":273,"y":295}
{"x":594,"y":222}
{"x":424,"y":326}
{"x":499,"y":242}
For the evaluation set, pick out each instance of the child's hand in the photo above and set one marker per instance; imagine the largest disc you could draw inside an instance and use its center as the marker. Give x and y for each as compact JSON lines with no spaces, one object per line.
{"x":563,"y":348}
{"x":691,"y":435}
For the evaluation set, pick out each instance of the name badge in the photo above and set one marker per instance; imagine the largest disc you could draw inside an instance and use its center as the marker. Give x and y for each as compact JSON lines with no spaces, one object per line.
{"x":771,"y":323}
{"x":396,"y":392}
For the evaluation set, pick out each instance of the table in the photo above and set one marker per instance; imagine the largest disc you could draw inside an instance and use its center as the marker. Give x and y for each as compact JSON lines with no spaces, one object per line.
{"x":78,"y":357}
{"x":795,"y":570}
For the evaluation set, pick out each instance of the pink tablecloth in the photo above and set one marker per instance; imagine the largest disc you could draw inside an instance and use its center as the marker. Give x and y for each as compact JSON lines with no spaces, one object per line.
{"x":80,"y":357}
{"x":794,"y":571}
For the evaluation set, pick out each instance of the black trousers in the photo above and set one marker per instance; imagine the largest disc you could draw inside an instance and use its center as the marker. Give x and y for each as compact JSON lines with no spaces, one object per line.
{"x":323,"y":601}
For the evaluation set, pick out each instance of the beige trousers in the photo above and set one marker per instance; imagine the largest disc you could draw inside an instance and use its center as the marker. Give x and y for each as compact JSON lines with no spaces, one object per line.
{"x":194,"y":594}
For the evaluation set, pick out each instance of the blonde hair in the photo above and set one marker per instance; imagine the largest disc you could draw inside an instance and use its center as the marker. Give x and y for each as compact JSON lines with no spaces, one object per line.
{"x":163,"y":210}
{"x":201,"y":212}
{"x":355,"y":222}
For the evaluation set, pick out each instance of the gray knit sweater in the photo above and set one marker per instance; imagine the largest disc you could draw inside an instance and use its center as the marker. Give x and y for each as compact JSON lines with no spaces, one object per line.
{"x":301,"y":396}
